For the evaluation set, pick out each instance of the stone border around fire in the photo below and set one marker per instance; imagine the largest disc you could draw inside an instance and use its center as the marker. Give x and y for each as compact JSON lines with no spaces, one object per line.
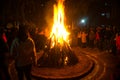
{"x":81,"y":69}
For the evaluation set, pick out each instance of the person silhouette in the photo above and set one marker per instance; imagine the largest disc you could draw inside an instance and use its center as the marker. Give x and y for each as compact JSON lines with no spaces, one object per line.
{"x":4,"y":53}
{"x":23,"y":52}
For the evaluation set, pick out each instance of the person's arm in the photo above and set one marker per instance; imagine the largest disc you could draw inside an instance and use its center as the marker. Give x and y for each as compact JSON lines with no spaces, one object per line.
{"x":34,"y":56}
{"x":13,"y":49}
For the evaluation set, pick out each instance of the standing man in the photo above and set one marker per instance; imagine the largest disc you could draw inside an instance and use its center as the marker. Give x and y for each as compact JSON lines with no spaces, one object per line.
{"x":4,"y":54}
{"x":23,"y":52}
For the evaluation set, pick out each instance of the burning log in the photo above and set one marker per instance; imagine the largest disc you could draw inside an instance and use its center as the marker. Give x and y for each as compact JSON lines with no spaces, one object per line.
{"x":57,"y":52}
{"x":58,"y":56}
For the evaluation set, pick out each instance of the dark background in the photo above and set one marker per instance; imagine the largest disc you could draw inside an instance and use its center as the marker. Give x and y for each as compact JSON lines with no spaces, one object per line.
{"x":40,"y":12}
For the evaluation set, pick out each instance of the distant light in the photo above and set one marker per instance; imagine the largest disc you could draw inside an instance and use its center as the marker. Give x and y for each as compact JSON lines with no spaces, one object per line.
{"x":83,"y":21}
{"x":102,"y":14}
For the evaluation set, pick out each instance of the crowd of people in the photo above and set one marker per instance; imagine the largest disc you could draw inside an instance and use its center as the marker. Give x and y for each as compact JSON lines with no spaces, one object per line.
{"x":20,"y":43}
{"x":18,"y":46}
{"x":104,"y":38}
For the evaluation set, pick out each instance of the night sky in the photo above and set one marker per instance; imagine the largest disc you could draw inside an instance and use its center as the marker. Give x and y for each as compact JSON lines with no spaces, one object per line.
{"x":40,"y":12}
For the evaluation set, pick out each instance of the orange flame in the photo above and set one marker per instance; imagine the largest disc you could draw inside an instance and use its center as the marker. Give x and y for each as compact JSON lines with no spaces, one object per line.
{"x":59,"y":33}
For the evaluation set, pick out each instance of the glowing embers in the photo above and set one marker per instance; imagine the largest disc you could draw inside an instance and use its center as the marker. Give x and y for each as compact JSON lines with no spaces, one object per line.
{"x":57,"y":56}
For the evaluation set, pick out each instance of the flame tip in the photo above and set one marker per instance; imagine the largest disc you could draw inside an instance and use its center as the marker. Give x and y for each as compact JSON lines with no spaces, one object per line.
{"x":59,"y":31}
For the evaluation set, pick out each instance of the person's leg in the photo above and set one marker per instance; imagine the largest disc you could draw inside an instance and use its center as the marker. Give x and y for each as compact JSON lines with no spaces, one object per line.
{"x":20,"y":73}
{"x":113,"y":47}
{"x":27,"y":70}
{"x":6,"y":72}
{"x":91,"y":43}
{"x":2,"y":77}
{"x":78,"y":41}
